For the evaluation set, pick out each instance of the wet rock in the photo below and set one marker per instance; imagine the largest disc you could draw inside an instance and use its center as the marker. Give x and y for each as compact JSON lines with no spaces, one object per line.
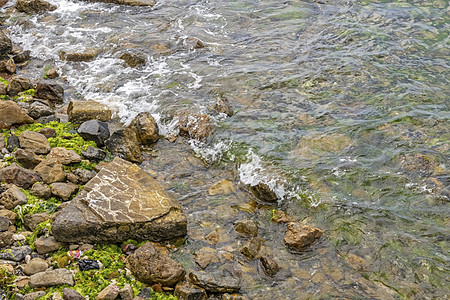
{"x":246,"y":227}
{"x":38,"y":109}
{"x":93,"y":154}
{"x":223,"y":187}
{"x":8,"y":214}
{"x":84,"y":175}
{"x":124,"y":144}
{"x":41,"y":191}
{"x":186,"y":291}
{"x":82,"y":111}
{"x":194,"y":43}
{"x":108,"y":293}
{"x":212,"y":238}
{"x":270,"y":266}
{"x":145,"y":127}
{"x":6,"y":239}
{"x":418,"y":163}
{"x":5,"y":43}
{"x":280,"y":217}
{"x":50,"y":90}
{"x":27,"y":158}
{"x":161,"y":49}
{"x":263,"y":192}
{"x":94,"y":130}
{"x":34,"y":142}
{"x":319,"y":143}
{"x":33,"y":220}
{"x":16,"y":253}
{"x":46,"y":245}
{"x":63,"y":190}
{"x":19,"y":176}
{"x":22,"y":57}
{"x":197,"y":126}
{"x":223,"y":105}
{"x":227,"y":296}
{"x":51,"y":73}
{"x":133,"y":60}
{"x":299,"y":235}
{"x":205,"y":256}
{"x":252,"y":248}
{"x":51,"y":170}
{"x":48,"y":132}
{"x":86,"y":55}
{"x":221,"y":281}
{"x":4,"y":223}
{"x":34,"y":6}
{"x":69,"y":294}
{"x":12,"y":143}
{"x":121,"y":202}
{"x":18,"y":84}
{"x":12,"y":114}
{"x":36,"y":265}
{"x":64,"y":156}
{"x":12,"y":197}
{"x":2,"y":3}
{"x":33,"y":296}
{"x":51,"y":278}
{"x":151,"y":264}
{"x":126,"y":293}
{"x":8,"y":66}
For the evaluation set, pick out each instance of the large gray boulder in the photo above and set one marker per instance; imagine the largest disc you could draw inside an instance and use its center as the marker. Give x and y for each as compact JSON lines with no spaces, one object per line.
{"x":121,"y":202}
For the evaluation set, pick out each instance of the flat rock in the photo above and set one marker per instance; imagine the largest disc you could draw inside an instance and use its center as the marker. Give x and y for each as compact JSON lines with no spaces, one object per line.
{"x":223,"y":187}
{"x":46,"y":245}
{"x":124,"y":143}
{"x":82,"y":111}
{"x":121,"y":202}
{"x":94,"y":130}
{"x":50,"y":90}
{"x":64,"y":156}
{"x":34,"y":142}
{"x":220,"y":281}
{"x":299,"y":235}
{"x":51,"y":278}
{"x":86,"y":55}
{"x":36,"y":265}
{"x":12,"y":114}
{"x":51,"y":170}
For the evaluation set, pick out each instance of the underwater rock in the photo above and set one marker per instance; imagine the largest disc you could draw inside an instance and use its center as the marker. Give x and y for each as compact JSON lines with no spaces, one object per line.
{"x":94,"y":130}
{"x":317,"y":143}
{"x":223,"y":187}
{"x":418,"y":163}
{"x":263,"y":192}
{"x":34,"y":6}
{"x":124,"y":144}
{"x":205,"y":256}
{"x":219,"y":281}
{"x":121,"y":202}
{"x":246,"y":228}
{"x":49,"y":90}
{"x":82,"y":111}
{"x":270,"y":266}
{"x":133,"y":60}
{"x":12,"y":114}
{"x":252,"y":248}
{"x":34,"y":142}
{"x":129,"y":2}
{"x":299,"y":235}
{"x":145,"y":127}
{"x":19,"y":176}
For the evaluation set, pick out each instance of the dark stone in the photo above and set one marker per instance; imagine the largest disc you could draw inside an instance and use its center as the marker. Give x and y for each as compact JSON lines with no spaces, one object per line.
{"x":252,"y":247}
{"x":41,"y":191}
{"x":94,"y":130}
{"x":124,"y":144}
{"x":270,"y":266}
{"x":223,"y":106}
{"x":246,"y":228}
{"x":88,"y":264}
{"x":18,"y":84}
{"x":263,"y":192}
{"x":48,"y":119}
{"x":12,"y":143}
{"x":38,"y":109}
{"x":19,"y":176}
{"x":50,"y":90}
{"x":93,"y":153}
{"x":133,"y":59}
{"x":16,"y":253}
{"x":187,"y":291}
{"x":5,"y":43}
{"x":22,"y":57}
{"x":27,"y":158}
{"x":4,"y":224}
{"x":69,"y":294}
{"x":48,"y":132}
{"x":31,"y":221}
{"x":146,"y":293}
{"x":84,"y":175}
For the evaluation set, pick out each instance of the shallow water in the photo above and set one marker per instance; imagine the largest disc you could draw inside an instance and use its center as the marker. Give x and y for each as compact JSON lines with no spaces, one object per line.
{"x":341,"y":107}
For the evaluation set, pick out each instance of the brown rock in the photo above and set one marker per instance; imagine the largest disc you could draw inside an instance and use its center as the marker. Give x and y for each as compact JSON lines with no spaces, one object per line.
{"x":151,"y":264}
{"x":212,"y":238}
{"x":51,"y":278}
{"x":194,"y":43}
{"x":12,"y":197}
{"x":50,"y":90}
{"x":86,"y":55}
{"x":8,"y":66}
{"x":145,"y":127}
{"x":270,"y":266}
{"x":6,"y":239}
{"x":4,"y":223}
{"x":186,"y":291}
{"x":34,"y":142}
{"x":124,"y":144}
{"x":246,"y":228}
{"x":133,"y":59}
{"x":18,"y":84}
{"x":126,"y":293}
{"x":220,"y":281}
{"x":9,"y":214}
{"x":40,"y":191}
{"x":161,"y":49}
{"x":69,"y":294}
{"x":34,"y":6}
{"x":205,"y":256}
{"x":33,"y":296}
{"x":197,"y":126}
{"x":27,"y":158}
{"x":3,"y":89}
{"x":46,"y":244}
{"x":33,"y":220}
{"x":51,"y":170}
{"x":12,"y":114}
{"x":82,"y":111}
{"x":263,"y":192}
{"x":19,"y":176}
{"x":108,"y":293}
{"x":36,"y":265}
{"x":5,"y":43}
{"x":280,"y":217}
{"x":51,"y":73}
{"x":252,"y":248}
{"x":64,"y":156}
{"x":223,"y":187}
{"x":63,"y":190}
{"x":223,"y":106}
{"x":48,"y":132}
{"x":299,"y":235}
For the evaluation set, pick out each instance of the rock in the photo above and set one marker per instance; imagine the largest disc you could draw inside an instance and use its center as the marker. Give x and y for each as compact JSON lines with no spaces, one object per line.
{"x":186,"y":291}
{"x":130,"y":2}
{"x":3,"y":89}
{"x":108,"y":293}
{"x":48,"y":132}
{"x":145,"y":127}
{"x":161,"y":49}
{"x":270,"y":266}
{"x":5,"y":43}
{"x":27,"y":158}
{"x":93,"y":154}
{"x":246,"y":228}
{"x":197,"y":126}
{"x":94,"y":130}
{"x":50,"y":90}
{"x":34,"y":6}
{"x":12,"y":143}
{"x":263,"y":192}
{"x":221,"y":281}
{"x":33,"y":220}
{"x":205,"y":256}
{"x":41,"y":191}
{"x":126,"y":293}
{"x":212,"y":238}
{"x":82,"y":111}
{"x":121,"y":202}
{"x":8,"y":66}
{"x":224,"y":106}
{"x":34,"y":142}
{"x":33,"y":296}
{"x":51,"y":278}
{"x":4,"y":223}
{"x":194,"y":43}
{"x":252,"y":248}
{"x":299,"y":235}
{"x":46,"y":244}
{"x":38,"y":109}
{"x":151,"y":264}
{"x":19,"y":176}
{"x":133,"y":60}
{"x":18,"y":84}
{"x":48,"y":119}
{"x":16,"y":253}
{"x":36,"y":265}
{"x":12,"y":114}
{"x":51,"y":170}
{"x":8,"y":214}
{"x":124,"y":144}
{"x":64,"y":156}
{"x":69,"y":294}
{"x":315,"y":143}
{"x":51,"y":73}
{"x":6,"y":239}
{"x":63,"y":190}
{"x":86,"y":55}
{"x":84,"y":175}
{"x":280,"y":217}
{"x":223,"y":187}
{"x":22,"y":57}
{"x":12,"y":197}
{"x":418,"y":163}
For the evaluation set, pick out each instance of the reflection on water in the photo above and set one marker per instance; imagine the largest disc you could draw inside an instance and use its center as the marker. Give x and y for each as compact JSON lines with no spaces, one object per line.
{"x":341,"y":106}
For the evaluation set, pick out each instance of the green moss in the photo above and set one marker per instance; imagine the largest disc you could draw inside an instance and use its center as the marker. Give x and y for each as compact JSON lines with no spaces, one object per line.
{"x":4,"y":81}
{"x":30,"y":92}
{"x":6,"y":279}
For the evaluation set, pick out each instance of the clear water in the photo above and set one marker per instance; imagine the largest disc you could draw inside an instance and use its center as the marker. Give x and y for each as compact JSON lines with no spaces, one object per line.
{"x":342,"y":108}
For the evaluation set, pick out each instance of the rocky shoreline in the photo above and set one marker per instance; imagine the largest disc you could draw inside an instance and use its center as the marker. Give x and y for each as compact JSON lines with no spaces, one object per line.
{"x":80,"y":219}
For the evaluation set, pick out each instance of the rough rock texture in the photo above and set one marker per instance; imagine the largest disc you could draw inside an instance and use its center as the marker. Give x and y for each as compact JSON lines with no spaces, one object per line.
{"x":51,"y":278}
{"x":8,"y":66}
{"x":187,"y":291}
{"x":133,"y":59}
{"x":48,"y":132}
{"x":16,"y":253}
{"x":84,"y":175}
{"x":263,"y":192}
{"x":3,"y":89}
{"x":22,"y":57}
{"x":108,"y":293}
{"x":220,"y":281}
{"x":94,"y":154}
{"x":82,"y":111}
{"x":197,"y":126}
{"x":12,"y":197}
{"x":64,"y":156}
{"x":12,"y":143}
{"x":34,"y":142}
{"x":51,"y":170}
{"x":69,"y":294}
{"x":151,"y":264}
{"x":252,"y":248}
{"x":38,"y":109}
{"x":5,"y":43}
{"x":124,"y":143}
{"x":34,"y":6}
{"x":50,"y":90}
{"x":129,"y":2}
{"x":121,"y":202}
{"x":223,"y":187}
{"x":4,"y":223}
{"x":18,"y":84}
{"x":41,"y":190}
{"x":6,"y":239}
{"x":36,"y":265}
{"x":63,"y":190}
{"x":52,"y":73}
{"x":146,"y":128}
{"x":418,"y":163}
{"x":9,"y":214}
{"x":19,"y":176}
{"x":33,"y":220}
{"x":126,"y":293}
{"x":12,"y":114}
{"x":94,"y":130}
{"x":205,"y":256}
{"x":299,"y":235}
{"x":86,"y":55}
{"x":27,"y":158}
{"x":270,"y":266}
{"x":246,"y":228}
{"x":224,"y":106}
{"x":33,"y":296}
{"x":46,"y":244}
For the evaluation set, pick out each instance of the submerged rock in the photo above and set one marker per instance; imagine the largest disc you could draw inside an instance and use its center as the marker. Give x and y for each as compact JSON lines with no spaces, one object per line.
{"x":133,"y":59}
{"x":246,"y":228}
{"x":121,"y":202}
{"x":270,"y":266}
{"x":220,"y":281}
{"x":263,"y":192}
{"x":129,"y":2}
{"x":187,"y":291}
{"x":12,"y":114}
{"x":299,"y":235}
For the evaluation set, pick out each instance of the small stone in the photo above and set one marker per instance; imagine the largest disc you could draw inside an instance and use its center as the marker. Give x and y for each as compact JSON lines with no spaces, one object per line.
{"x":194,"y":43}
{"x":205,"y":256}
{"x":299,"y":235}
{"x":263,"y":192}
{"x":212,"y":238}
{"x":84,"y":175}
{"x":94,"y":130}
{"x":8,"y":214}
{"x":18,"y":84}
{"x":69,"y":294}
{"x":6,"y":239}
{"x":63,"y":190}
{"x":82,"y":111}
{"x":50,"y":90}
{"x":51,"y":170}
{"x":35,"y":265}
{"x":270,"y":266}
{"x":221,"y":281}
{"x":5,"y":43}
{"x":33,"y":296}
{"x":12,"y":197}
{"x":8,"y":66}
{"x":19,"y":176}
{"x":72,"y":178}
{"x":48,"y":119}
{"x":124,"y":144}
{"x":4,"y":224}
{"x":34,"y":142}
{"x":108,"y":293}
{"x":197,"y":126}
{"x":64,"y":156}
{"x":252,"y":248}
{"x":48,"y":132}
{"x":246,"y":228}
{"x":27,"y":158}
{"x":12,"y":114}
{"x":86,"y":55}
{"x":46,"y":245}
{"x":12,"y":143}
{"x":133,"y":60}
{"x":40,"y":190}
{"x":22,"y":57}
{"x":16,"y":253}
{"x":33,"y":220}
{"x":51,"y":278}
{"x":223,"y":106}
{"x":51,"y":73}
{"x":126,"y":293}
{"x":38,"y":109}
{"x":145,"y":127}
{"x":93,"y":154}
{"x":223,"y":187}
{"x":280,"y":217}
{"x":186,"y":291}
